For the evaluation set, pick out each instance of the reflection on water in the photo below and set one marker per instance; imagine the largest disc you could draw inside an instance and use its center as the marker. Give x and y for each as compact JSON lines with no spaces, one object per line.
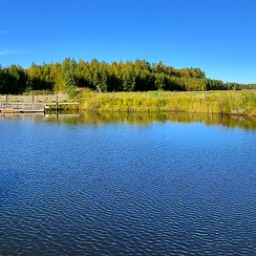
{"x":90,"y":184}
{"x":231,"y":121}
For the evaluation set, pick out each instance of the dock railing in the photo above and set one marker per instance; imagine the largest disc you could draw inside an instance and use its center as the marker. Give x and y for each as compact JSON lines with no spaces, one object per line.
{"x":21,"y":107}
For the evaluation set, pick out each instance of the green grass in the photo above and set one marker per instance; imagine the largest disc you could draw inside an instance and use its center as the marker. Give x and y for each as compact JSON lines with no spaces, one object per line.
{"x":219,"y":102}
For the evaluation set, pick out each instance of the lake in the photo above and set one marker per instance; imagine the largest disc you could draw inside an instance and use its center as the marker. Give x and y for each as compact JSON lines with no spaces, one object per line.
{"x":87,"y":184}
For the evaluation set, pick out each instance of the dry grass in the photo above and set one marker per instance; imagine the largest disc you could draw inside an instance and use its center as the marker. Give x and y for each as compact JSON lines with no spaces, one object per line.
{"x":219,"y":102}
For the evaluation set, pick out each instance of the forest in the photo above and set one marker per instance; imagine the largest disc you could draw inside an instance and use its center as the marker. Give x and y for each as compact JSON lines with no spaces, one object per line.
{"x":139,"y":75}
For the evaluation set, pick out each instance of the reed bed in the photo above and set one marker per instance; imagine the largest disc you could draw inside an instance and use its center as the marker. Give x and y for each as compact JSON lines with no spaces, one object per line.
{"x":219,"y":102}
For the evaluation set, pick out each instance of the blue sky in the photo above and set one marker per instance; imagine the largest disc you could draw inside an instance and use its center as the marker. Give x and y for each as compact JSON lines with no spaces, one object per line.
{"x":217,"y":36}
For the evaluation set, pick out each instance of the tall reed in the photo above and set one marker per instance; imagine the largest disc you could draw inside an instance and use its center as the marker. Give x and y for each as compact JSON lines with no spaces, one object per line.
{"x":220,"y":102}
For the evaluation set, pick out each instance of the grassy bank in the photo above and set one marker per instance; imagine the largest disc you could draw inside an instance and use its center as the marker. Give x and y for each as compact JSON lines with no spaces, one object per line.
{"x":219,"y":102}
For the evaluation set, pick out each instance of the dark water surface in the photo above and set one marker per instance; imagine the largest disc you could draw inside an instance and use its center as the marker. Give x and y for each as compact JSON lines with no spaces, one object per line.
{"x":127,"y":185}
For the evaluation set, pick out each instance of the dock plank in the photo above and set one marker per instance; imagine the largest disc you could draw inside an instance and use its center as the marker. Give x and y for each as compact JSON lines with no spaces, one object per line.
{"x":20,"y":107}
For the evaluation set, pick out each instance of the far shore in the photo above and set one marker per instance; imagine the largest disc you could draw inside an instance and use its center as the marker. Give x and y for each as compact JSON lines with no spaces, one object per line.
{"x":216,"y":102}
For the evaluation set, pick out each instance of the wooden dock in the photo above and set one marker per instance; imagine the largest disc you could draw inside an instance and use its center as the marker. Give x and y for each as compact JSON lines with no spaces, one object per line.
{"x":20,"y":107}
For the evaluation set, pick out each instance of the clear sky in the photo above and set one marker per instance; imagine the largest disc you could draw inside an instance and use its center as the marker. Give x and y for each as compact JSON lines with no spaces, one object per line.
{"x":218,"y":36}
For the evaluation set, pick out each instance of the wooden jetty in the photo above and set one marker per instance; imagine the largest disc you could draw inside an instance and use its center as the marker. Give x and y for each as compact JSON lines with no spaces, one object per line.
{"x":20,"y":107}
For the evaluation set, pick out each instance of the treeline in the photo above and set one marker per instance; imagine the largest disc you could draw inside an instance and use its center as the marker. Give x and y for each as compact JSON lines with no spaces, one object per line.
{"x":129,"y":76}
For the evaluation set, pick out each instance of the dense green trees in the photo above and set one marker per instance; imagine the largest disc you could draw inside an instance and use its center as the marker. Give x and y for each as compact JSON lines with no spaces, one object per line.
{"x":139,"y":75}
{"x":13,"y":80}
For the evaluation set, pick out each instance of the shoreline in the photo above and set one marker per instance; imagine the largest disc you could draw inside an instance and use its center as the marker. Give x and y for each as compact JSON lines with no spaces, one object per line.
{"x":239,"y":103}
{"x":211,"y":102}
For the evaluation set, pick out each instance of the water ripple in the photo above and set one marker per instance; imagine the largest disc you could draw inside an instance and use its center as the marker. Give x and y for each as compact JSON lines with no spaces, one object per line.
{"x":119,"y":190}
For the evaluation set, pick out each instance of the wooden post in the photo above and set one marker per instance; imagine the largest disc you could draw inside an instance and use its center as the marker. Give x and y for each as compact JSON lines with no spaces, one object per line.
{"x":79,"y":104}
{"x":57,"y":101}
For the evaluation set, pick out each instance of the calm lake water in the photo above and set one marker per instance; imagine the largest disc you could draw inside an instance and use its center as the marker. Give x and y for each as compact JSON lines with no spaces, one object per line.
{"x":170,"y":184}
